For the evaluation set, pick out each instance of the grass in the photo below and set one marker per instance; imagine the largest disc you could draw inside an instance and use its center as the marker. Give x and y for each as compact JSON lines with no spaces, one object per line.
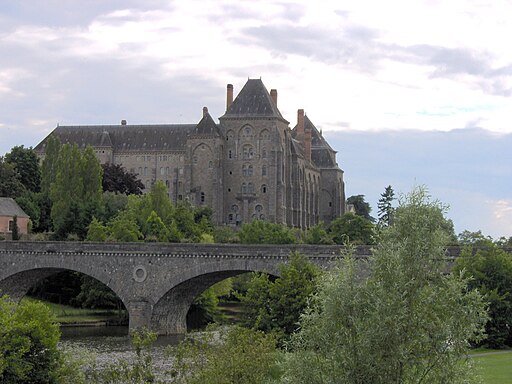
{"x":493,"y":366}
{"x":70,"y":315}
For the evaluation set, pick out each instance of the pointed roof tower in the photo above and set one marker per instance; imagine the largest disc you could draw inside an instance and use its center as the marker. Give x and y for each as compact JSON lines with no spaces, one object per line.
{"x":206,"y":126}
{"x":253,"y":101}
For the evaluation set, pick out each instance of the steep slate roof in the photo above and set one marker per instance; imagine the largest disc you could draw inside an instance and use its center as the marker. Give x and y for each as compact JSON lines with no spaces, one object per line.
{"x":124,"y":137}
{"x":8,"y":207}
{"x":206,"y":126}
{"x":253,"y":101}
{"x":321,"y":151}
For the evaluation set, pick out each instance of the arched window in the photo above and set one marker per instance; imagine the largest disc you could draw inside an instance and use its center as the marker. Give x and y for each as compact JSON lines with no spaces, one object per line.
{"x":250,"y":188}
{"x":244,"y":170}
{"x":258,"y":208}
{"x":264,"y":170}
{"x":202,"y":197}
{"x":248,"y":152}
{"x":249,"y":170}
{"x":166,"y":170}
{"x":264,"y":188}
{"x":162,"y":171}
{"x":244,"y":188}
{"x":263,"y":153}
{"x":145,"y":171}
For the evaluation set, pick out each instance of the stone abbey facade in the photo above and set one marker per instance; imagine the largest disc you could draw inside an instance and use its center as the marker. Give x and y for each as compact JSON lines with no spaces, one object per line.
{"x":251,"y":165}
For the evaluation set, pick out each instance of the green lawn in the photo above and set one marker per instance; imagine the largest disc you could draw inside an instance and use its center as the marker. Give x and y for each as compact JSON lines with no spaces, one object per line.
{"x":494,"y":367}
{"x":70,"y":315}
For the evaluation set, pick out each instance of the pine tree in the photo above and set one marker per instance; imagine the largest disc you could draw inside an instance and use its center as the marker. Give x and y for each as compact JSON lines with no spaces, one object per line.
{"x":385,"y":206}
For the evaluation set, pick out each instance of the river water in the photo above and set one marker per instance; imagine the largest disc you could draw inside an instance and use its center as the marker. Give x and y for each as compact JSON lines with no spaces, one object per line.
{"x":109,"y":345}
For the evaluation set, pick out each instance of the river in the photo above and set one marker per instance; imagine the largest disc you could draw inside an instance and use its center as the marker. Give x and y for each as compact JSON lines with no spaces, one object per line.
{"x":112,"y":344}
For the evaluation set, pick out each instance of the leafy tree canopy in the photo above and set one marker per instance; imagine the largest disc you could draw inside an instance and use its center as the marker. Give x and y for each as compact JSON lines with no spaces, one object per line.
{"x":28,"y":343}
{"x":353,"y":229}
{"x":361,"y":207}
{"x":10,"y":183}
{"x":264,"y":232}
{"x":408,"y":322}
{"x":118,"y":179}
{"x":490,"y":270}
{"x":26,"y":164}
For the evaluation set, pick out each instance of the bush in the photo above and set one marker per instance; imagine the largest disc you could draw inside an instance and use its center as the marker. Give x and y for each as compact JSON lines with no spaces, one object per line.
{"x":29,"y":335}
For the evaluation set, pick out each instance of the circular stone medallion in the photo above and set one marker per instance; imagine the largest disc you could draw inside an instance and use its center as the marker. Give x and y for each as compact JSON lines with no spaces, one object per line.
{"x":139,"y":273}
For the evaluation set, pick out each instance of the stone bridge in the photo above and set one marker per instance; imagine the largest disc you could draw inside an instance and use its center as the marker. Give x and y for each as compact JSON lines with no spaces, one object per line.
{"x":156,"y":282}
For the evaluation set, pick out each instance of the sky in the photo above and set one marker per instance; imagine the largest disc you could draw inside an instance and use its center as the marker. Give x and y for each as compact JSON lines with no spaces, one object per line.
{"x":408,"y":92}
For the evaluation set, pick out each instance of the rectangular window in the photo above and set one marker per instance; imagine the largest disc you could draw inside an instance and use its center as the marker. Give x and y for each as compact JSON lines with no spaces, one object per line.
{"x":11,"y":225}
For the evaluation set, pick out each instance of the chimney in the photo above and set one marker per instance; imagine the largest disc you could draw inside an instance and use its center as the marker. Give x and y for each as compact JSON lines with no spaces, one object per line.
{"x":273,"y":95}
{"x":307,"y":143}
{"x":300,"y":125}
{"x":229,"y":98}
{"x":123,"y":122}
{"x":205,"y":111}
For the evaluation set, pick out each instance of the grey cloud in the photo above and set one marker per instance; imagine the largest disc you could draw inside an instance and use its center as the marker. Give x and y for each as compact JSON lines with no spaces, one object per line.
{"x":70,"y":12}
{"x":354,"y":48}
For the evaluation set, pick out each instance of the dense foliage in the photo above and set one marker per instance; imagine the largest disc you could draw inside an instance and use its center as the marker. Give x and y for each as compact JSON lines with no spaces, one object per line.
{"x":118,"y":179}
{"x":221,"y":356}
{"x":408,"y":322}
{"x":28,"y":343}
{"x":276,"y":305}
{"x":490,"y":269}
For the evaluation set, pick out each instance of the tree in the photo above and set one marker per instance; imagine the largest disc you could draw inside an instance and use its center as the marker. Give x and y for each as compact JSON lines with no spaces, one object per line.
{"x":317,"y":234}
{"x":96,"y":231}
{"x":117,"y":179}
{"x":28,"y":343}
{"x":76,"y":192}
{"x":408,"y":322}
{"x":361,"y":207}
{"x":15,"y":229}
{"x":264,"y":232}
{"x":156,"y":228}
{"x":277,"y":305}
{"x":233,"y":356}
{"x":352,"y":228}
{"x":26,"y":164}
{"x":385,"y":206}
{"x":490,"y":269}
{"x":124,"y":228}
{"x":10,"y":184}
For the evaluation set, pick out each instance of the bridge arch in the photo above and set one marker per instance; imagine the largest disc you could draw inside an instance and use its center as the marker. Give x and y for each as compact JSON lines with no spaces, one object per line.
{"x":169,"y":314}
{"x":18,"y":281}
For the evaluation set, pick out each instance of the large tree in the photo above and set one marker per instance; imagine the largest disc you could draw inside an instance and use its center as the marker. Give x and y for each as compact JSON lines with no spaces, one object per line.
{"x":118,"y":179}
{"x":490,"y":269}
{"x":353,"y":229}
{"x":408,"y":322}
{"x":76,"y":192}
{"x":361,"y":207}
{"x":276,"y":305}
{"x":26,"y":163}
{"x":10,"y":184}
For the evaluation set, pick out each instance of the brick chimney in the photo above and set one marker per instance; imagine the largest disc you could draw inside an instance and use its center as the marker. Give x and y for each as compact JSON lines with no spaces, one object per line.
{"x":300,"y":125}
{"x":307,"y":143}
{"x":229,"y":97}
{"x":273,"y":95}
{"x":205,"y":111}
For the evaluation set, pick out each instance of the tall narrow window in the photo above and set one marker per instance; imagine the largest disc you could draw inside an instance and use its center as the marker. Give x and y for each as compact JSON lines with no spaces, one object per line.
{"x":264,"y":170}
{"x":202,"y":197}
{"x":249,"y":170}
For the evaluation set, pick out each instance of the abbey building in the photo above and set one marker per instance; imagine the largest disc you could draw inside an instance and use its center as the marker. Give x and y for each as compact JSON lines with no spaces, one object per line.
{"x":251,"y":165}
